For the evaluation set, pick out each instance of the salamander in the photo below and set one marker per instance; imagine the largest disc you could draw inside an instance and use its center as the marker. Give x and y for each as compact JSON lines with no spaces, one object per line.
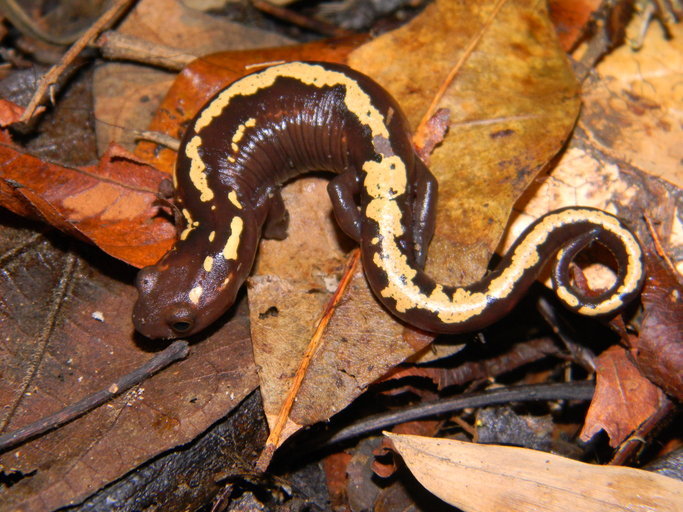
{"x":287,"y":119}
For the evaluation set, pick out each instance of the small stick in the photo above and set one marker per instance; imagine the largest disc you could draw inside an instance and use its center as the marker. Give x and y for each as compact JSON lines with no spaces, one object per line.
{"x":577,"y":390}
{"x":274,"y":438}
{"x":117,"y":46}
{"x":455,"y":70}
{"x":175,"y":351}
{"x":159,"y":138}
{"x":322,"y":27}
{"x":51,"y":77}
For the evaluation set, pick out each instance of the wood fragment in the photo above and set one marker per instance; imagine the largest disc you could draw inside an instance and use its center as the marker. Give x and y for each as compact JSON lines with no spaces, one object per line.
{"x":274,"y":438}
{"x":117,"y":46}
{"x":174,"y":352}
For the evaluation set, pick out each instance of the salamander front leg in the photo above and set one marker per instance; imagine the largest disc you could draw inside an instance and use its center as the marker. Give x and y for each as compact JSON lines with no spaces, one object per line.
{"x":166,"y":197}
{"x":424,"y":211}
{"x":342,"y":190}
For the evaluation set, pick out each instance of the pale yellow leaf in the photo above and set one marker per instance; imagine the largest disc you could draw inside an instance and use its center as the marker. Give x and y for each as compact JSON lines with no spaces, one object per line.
{"x":491,"y":478}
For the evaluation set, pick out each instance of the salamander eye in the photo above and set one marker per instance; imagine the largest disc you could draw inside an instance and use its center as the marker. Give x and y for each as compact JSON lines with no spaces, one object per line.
{"x":180,"y":319}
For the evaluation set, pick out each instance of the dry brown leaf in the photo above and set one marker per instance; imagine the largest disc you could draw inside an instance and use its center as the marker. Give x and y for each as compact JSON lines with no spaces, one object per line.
{"x":625,"y":157}
{"x":489,"y":478}
{"x":513,"y":104}
{"x":623,"y":398}
{"x":634,"y":111}
{"x":659,"y":347}
{"x":9,"y":113}
{"x":500,"y":137}
{"x":67,"y":333}
{"x":110,"y":204}
{"x":127,"y":95}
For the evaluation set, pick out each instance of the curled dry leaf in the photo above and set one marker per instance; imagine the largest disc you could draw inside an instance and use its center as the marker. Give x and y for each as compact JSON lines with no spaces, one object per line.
{"x":659,"y":347}
{"x":67,"y":333}
{"x":623,"y":398}
{"x":111,"y":204}
{"x":9,"y":113}
{"x":489,"y":478}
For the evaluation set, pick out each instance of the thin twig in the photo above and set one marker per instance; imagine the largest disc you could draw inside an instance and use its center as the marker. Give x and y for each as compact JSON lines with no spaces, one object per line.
{"x":177,"y":350}
{"x":582,"y":390}
{"x":51,"y":77}
{"x":116,"y":46}
{"x":319,"y":26}
{"x":162,"y":139}
{"x":24,"y":24}
{"x":458,"y":66}
{"x":283,"y":415}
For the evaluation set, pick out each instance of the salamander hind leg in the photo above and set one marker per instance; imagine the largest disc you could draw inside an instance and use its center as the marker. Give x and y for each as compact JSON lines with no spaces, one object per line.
{"x":343,"y":190}
{"x":277,"y":217}
{"x":424,"y":211}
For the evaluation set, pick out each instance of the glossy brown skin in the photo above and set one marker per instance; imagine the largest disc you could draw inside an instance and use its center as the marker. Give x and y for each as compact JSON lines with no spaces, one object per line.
{"x":267,"y":135}
{"x":298,"y":129}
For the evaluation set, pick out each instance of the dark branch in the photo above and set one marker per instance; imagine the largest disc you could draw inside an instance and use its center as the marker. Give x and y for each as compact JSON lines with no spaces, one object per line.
{"x":532,"y":393}
{"x":177,"y":350}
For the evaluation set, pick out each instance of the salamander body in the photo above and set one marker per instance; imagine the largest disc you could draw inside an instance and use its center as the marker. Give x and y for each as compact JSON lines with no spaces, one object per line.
{"x":282,"y":121}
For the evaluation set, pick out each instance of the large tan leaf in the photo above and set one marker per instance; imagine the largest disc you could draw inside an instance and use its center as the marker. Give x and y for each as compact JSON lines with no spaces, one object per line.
{"x":512,"y":103}
{"x":490,"y":478}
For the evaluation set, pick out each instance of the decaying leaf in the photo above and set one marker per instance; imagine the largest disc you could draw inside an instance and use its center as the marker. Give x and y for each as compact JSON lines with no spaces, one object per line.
{"x":67,"y":332}
{"x":127,"y":95}
{"x":659,"y":347}
{"x":489,"y":478}
{"x":623,"y":399}
{"x":111,"y":204}
{"x":499,"y":137}
{"x":625,"y":156}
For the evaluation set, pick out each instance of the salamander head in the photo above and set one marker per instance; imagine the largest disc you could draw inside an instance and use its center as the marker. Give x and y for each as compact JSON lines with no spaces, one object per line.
{"x":198,"y":280}
{"x":176,"y":301}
